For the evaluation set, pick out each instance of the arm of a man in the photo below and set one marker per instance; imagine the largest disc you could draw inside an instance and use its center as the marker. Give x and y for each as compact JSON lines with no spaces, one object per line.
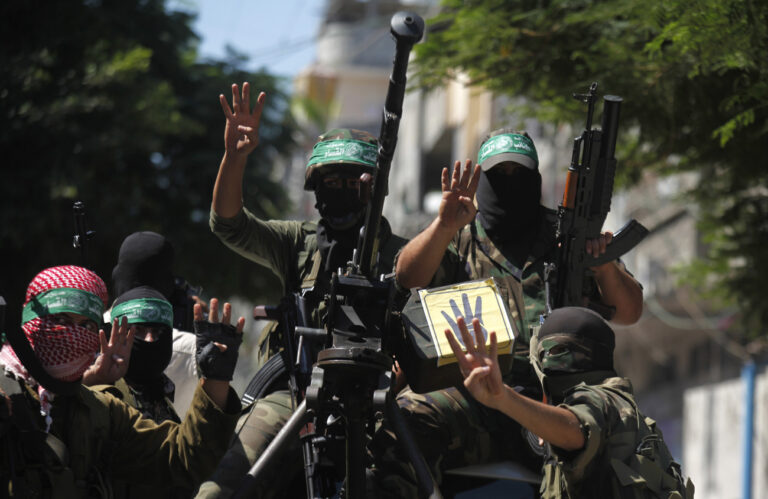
{"x":420,"y":258}
{"x":480,"y":367}
{"x":556,"y":425}
{"x":271,"y":243}
{"x":241,"y":136}
{"x":618,"y":289}
{"x":179,"y":454}
{"x":268,"y":243}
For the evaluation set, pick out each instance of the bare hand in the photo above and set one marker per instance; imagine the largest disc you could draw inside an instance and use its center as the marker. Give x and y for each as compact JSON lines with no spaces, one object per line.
{"x":479,"y":366}
{"x":241,"y":133}
{"x":597,"y":246}
{"x":112,"y":363}
{"x":457,"y":208}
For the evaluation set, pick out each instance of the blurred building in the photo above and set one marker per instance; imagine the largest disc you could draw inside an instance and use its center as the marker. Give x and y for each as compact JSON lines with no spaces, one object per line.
{"x":346,"y":85}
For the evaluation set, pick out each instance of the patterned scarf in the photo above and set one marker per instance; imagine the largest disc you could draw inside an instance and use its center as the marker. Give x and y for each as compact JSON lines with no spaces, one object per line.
{"x":65,"y":351}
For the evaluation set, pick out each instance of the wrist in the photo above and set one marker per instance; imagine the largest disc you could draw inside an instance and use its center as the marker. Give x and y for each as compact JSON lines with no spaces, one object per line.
{"x":506,"y":396}
{"x":444,"y":229}
{"x":234,"y":157}
{"x":603,"y":269}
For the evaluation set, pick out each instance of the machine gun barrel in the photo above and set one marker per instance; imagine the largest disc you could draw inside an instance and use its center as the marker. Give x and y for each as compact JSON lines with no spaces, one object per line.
{"x":407,"y":28}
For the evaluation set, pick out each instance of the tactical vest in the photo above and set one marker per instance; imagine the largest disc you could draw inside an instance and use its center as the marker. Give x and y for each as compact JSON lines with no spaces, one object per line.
{"x":522,"y":289}
{"x":636,"y":463}
{"x":157,"y":411}
{"x":308,"y":264}
{"x":38,"y":464}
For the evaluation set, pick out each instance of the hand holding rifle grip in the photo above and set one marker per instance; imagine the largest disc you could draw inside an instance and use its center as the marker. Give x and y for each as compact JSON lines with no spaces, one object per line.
{"x":407,"y":29}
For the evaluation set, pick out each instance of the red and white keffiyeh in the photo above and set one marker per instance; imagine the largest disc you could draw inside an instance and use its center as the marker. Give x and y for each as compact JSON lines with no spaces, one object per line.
{"x":65,"y":351}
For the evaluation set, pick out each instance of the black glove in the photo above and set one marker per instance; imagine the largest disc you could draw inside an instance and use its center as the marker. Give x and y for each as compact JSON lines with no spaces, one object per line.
{"x":212,"y":362}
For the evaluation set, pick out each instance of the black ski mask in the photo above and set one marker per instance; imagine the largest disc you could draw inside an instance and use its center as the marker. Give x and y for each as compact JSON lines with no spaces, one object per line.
{"x":342,"y":214}
{"x":145,"y":259}
{"x":341,"y":208}
{"x":508,"y":202}
{"x":147,"y":306}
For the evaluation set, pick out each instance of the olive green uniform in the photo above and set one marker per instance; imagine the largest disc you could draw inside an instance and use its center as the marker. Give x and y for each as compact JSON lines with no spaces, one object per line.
{"x":290,"y":250}
{"x":95,"y":439}
{"x":158,"y":411}
{"x":624,"y":455}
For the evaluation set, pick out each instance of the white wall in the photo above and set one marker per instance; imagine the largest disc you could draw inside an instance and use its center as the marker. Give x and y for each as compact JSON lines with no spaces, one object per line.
{"x":713,"y":418}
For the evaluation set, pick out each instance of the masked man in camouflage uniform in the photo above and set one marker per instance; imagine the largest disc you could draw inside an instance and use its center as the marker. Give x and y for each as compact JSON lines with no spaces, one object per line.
{"x":598,"y":442}
{"x":80,"y":444}
{"x":509,"y":236}
{"x":302,"y":254}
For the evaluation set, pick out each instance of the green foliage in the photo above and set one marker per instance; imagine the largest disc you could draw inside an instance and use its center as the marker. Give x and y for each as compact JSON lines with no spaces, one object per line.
{"x":104,"y":102}
{"x":694,"y":77}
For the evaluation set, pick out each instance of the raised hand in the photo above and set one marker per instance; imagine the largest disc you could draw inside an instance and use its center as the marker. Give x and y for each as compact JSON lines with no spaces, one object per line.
{"x":217,"y":342}
{"x":457,"y":208}
{"x":479,"y":366}
{"x":241,"y":133}
{"x":112,"y":363}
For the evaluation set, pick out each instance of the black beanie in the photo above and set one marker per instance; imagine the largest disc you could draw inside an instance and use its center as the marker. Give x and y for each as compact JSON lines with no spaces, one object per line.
{"x":145,"y":259}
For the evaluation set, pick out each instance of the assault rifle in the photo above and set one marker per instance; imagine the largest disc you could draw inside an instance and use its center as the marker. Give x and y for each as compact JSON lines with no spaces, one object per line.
{"x":586,"y":202}
{"x":349,"y":384}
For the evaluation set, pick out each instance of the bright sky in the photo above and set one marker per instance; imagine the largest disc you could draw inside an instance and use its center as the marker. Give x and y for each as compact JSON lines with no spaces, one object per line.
{"x":276,"y":34}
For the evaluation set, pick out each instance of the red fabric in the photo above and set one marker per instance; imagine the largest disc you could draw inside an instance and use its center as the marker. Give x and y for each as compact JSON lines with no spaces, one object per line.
{"x":64,"y":351}
{"x":67,"y":276}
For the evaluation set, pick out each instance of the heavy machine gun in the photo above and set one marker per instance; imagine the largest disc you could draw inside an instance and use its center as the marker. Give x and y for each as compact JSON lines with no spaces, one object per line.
{"x":349,"y":385}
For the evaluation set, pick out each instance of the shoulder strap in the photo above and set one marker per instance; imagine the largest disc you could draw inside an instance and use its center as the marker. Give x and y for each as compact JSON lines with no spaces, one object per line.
{"x":310,"y":279}
{"x":17,"y":413}
{"x":309,"y":255}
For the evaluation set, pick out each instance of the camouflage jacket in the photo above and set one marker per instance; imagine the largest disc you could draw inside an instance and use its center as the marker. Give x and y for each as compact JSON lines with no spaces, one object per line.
{"x":289,"y":248}
{"x":473,"y":255}
{"x":95,"y":440}
{"x":624,"y":455}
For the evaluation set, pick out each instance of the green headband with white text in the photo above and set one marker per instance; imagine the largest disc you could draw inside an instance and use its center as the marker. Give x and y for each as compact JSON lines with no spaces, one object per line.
{"x":60,"y":300}
{"x":344,"y":151}
{"x":145,"y":310}
{"x":519,"y":149}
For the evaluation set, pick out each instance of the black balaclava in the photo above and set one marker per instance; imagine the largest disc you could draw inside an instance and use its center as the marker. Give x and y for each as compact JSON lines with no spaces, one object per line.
{"x":573,"y":345}
{"x":342,"y":208}
{"x":343,"y":214}
{"x":509,"y":190}
{"x":509,"y":202}
{"x":148,"y":359}
{"x":145,"y":259}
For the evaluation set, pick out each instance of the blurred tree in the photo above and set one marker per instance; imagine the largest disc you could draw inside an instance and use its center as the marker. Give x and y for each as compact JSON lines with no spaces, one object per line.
{"x":104,"y":101}
{"x":694,"y":76}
